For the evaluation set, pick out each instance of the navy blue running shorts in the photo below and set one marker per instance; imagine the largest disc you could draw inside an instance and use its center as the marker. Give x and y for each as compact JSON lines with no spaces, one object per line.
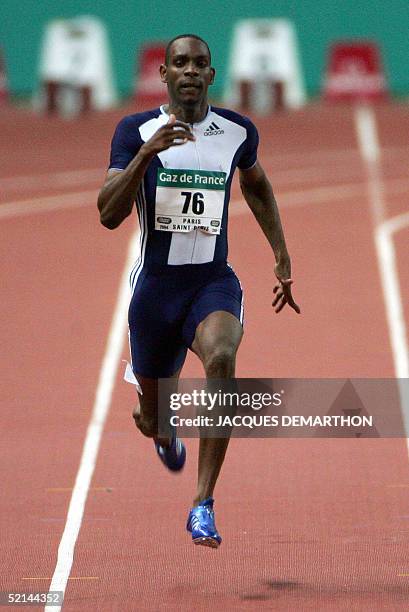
{"x":168,"y":305}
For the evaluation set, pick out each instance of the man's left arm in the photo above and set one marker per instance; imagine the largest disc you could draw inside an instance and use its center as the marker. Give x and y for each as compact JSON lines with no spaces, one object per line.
{"x":258,"y":193}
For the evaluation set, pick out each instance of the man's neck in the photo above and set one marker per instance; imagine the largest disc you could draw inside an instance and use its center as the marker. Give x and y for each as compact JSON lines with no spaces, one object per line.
{"x":188,"y":114}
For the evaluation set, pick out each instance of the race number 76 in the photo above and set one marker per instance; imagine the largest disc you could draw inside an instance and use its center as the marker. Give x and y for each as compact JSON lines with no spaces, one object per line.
{"x":195,"y":199}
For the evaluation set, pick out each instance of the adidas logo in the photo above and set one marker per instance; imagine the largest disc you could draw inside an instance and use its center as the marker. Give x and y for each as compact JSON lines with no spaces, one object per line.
{"x":213,"y":130}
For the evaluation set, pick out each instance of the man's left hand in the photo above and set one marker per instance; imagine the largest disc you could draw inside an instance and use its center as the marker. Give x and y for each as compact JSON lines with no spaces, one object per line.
{"x":282,"y":290}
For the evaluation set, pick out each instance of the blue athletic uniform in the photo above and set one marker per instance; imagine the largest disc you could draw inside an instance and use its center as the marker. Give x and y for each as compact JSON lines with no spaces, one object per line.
{"x":182,"y":274}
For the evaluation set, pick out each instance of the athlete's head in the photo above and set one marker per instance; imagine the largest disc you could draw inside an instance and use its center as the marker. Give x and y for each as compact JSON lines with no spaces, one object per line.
{"x":195,"y":36}
{"x":187,"y":69}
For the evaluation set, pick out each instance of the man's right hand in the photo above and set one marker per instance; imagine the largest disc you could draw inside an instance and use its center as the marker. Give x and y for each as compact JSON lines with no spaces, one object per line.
{"x":172,"y":134}
{"x":115,"y":200}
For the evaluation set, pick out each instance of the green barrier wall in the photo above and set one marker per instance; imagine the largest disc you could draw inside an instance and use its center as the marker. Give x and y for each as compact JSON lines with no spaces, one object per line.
{"x":131,"y":23}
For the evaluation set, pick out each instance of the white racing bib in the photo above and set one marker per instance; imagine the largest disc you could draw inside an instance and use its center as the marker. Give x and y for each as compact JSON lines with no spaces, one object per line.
{"x":189,"y":199}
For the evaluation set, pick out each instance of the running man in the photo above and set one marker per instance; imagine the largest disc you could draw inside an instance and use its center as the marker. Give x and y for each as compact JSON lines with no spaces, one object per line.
{"x":177,"y":162}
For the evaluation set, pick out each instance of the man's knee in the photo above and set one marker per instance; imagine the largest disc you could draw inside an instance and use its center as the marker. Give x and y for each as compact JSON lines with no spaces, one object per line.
{"x":220,"y":360}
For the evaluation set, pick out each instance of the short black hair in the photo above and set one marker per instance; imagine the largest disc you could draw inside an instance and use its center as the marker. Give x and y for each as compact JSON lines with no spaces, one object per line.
{"x":170,"y":43}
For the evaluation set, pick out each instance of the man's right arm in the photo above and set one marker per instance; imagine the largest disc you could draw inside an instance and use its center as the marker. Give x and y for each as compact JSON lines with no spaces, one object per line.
{"x":116,"y":198}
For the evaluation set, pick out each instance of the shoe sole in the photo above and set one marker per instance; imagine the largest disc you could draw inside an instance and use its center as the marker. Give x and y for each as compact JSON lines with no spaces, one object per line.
{"x":204,"y":541}
{"x":173,"y":468}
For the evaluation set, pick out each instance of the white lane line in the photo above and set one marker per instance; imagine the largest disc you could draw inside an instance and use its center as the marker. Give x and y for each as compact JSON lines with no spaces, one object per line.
{"x":104,"y":390}
{"x":367,"y":133}
{"x":395,"y":314}
{"x":369,"y":147}
{"x":368,"y":142}
{"x":52,"y":179}
{"x":41,"y":204}
{"x":391,"y":290}
{"x":286,"y":199}
{"x":395,"y":224}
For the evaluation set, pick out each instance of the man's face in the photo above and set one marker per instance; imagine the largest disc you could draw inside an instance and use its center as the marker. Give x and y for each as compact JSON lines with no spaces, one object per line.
{"x":188,"y":73}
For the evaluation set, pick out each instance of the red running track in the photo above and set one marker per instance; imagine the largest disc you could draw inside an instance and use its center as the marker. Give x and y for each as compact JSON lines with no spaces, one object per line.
{"x":307,"y":524}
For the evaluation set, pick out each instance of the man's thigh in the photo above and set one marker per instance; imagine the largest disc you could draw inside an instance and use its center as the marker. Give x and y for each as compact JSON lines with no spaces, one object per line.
{"x":215,"y":315}
{"x":220,"y":332}
{"x":155,"y":330}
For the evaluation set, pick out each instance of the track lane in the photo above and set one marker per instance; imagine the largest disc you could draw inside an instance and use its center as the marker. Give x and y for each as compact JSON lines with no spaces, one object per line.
{"x":54,"y":317}
{"x":333,"y":502}
{"x":336,"y":502}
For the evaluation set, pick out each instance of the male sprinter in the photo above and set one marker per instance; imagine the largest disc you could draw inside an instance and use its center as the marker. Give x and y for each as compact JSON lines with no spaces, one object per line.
{"x":177,"y":162}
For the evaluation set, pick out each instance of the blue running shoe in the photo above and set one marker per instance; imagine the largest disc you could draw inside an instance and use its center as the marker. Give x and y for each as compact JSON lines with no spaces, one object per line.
{"x":201,"y":525}
{"x":173,"y":456}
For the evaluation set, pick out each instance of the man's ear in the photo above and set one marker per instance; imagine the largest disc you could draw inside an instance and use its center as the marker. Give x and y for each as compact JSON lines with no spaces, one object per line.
{"x":163,"y":73}
{"x":213,"y":72}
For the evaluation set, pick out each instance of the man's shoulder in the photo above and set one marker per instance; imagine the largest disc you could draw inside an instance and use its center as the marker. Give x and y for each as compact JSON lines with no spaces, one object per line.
{"x":138,"y":119}
{"x":233,"y":116}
